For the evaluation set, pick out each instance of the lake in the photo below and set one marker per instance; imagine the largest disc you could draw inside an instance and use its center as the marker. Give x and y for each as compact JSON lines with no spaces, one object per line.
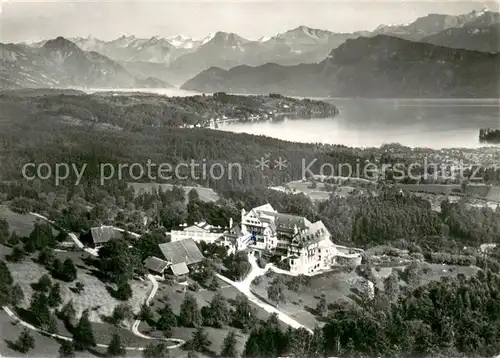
{"x":371,"y":123}
{"x":432,"y":123}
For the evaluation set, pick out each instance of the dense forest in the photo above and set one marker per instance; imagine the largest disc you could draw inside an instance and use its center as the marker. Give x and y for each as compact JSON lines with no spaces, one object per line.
{"x":454,"y":317}
{"x":32,"y":135}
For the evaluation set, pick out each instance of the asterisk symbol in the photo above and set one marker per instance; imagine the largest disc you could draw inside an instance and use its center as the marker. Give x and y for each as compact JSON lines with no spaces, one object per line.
{"x":281,"y":163}
{"x":262,"y":163}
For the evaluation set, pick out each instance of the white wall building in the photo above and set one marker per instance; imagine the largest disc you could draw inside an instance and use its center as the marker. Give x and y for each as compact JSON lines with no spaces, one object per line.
{"x":198,"y":232}
{"x":306,"y":245}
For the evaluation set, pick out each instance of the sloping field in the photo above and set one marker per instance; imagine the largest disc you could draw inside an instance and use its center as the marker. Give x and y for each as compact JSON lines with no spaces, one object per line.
{"x":22,"y":224}
{"x":206,"y":194}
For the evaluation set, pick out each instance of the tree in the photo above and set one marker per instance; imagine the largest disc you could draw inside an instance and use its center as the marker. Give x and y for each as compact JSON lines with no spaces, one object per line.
{"x":214,"y":285}
{"x":276,"y":291}
{"x":322,"y":307}
{"x":46,"y":256}
{"x":4,"y":231}
{"x":199,"y":341}
{"x":67,"y":350}
{"x":69,"y":272}
{"x":193,"y":195}
{"x":218,"y":311}
{"x":298,"y":342}
{"x":13,"y":240}
{"x":228,"y":349}
{"x":18,"y":254}
{"x":273,"y":320}
{"x":79,"y":287}
{"x":116,"y":347}
{"x":156,"y":351}
{"x":244,"y":315}
{"x":124,"y":291}
{"x":391,"y":286}
{"x":52,"y":324}
{"x":121,"y":312}
{"x":5,"y":275}
{"x":146,"y":313}
{"x":315,"y":348}
{"x":17,"y":295}
{"x":167,"y":319}
{"x":266,"y":341}
{"x":413,"y":274}
{"x":44,"y":284}
{"x":117,"y":261}
{"x":68,"y":312}
{"x":39,"y":307}
{"x":41,"y":236}
{"x":55,"y":296}
{"x":190,"y":315}
{"x":25,"y":342}
{"x":83,"y":335}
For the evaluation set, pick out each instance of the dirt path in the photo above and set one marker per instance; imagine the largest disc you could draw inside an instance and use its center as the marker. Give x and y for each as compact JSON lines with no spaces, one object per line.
{"x":135,"y":326}
{"x":179,"y":342}
{"x":244,"y":288}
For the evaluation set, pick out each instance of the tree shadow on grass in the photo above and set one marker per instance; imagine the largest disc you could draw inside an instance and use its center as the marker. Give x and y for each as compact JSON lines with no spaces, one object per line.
{"x":11,"y":345}
{"x":27,"y":316}
{"x":96,"y":353}
{"x":355,"y":295}
{"x":206,"y":352}
{"x":98,"y":274}
{"x":67,"y":323}
{"x":112,"y":291}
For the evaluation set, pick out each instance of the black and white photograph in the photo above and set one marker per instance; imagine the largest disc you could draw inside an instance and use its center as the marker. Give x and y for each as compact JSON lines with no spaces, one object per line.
{"x":249,"y":179}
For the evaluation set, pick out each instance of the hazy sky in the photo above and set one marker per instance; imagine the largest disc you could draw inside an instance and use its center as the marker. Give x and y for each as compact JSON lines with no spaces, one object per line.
{"x":34,"y":20}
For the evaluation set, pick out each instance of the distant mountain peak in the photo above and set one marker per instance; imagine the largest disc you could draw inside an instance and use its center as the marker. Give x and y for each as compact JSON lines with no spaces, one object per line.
{"x":226,"y":38}
{"x":481,"y":12}
{"x":303,"y":30}
{"x":60,"y":43}
{"x":127,"y":37}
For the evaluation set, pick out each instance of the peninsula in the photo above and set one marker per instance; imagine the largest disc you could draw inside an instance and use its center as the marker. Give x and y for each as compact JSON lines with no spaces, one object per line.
{"x":139,"y":110}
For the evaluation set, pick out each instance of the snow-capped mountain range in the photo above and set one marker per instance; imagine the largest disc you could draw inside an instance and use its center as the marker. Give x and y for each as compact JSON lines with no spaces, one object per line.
{"x":61,"y":63}
{"x":177,"y":58}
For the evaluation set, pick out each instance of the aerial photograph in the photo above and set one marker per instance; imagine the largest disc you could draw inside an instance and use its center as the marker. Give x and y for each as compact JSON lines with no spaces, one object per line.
{"x":249,"y":179}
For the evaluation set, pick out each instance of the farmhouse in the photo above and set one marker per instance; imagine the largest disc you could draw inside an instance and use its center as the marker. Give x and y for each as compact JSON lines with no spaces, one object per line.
{"x":179,"y":256}
{"x":307,"y":246}
{"x":102,"y":234}
{"x":156,"y":265}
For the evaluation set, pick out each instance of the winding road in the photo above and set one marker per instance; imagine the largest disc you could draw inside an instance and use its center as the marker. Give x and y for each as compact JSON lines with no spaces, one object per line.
{"x":244,"y":288}
{"x":11,"y":314}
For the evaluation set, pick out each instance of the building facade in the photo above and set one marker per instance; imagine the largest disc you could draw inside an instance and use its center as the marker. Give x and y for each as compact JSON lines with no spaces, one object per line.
{"x":198,"y":232}
{"x":307,"y":246}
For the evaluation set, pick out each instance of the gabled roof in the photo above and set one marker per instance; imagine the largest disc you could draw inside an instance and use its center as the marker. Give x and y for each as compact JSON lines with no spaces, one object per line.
{"x":265,"y":207}
{"x":103,"y":234}
{"x":179,"y":269}
{"x":182,"y":251}
{"x":315,"y":232}
{"x":287,"y":222}
{"x":155,"y":264}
